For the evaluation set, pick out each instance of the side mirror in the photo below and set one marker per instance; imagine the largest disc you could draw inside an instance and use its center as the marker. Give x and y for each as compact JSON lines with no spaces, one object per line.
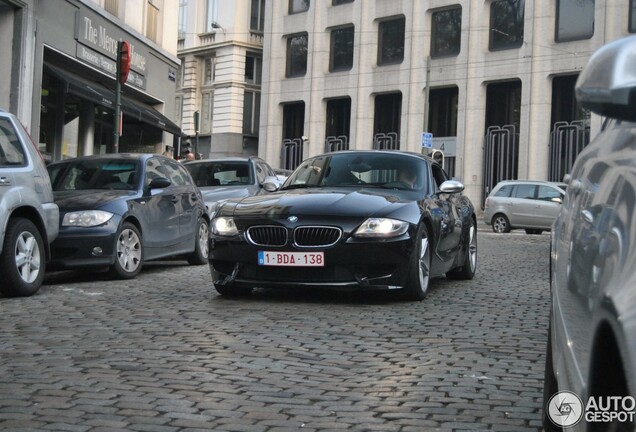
{"x":557,"y":200}
{"x":451,"y":187}
{"x":605,"y":86}
{"x":271,"y":183}
{"x":159,"y":183}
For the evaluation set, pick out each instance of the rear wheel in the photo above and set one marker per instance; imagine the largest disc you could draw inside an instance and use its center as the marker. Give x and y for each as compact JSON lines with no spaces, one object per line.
{"x":128,"y":252}
{"x":419,"y":277}
{"x":22,"y":259}
{"x":469,"y":266}
{"x":500,"y":224}
{"x":201,"y":246}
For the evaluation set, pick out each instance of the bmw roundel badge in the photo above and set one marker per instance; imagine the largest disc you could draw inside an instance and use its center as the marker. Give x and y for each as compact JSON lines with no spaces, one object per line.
{"x":292,"y":219}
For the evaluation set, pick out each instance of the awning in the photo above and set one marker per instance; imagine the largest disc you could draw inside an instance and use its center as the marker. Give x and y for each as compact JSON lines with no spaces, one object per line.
{"x":83,"y":88}
{"x":99,"y":94}
{"x":147,"y":114}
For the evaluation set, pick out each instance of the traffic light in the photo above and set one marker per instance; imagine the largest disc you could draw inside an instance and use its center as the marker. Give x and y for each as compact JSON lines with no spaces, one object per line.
{"x":438,"y":156}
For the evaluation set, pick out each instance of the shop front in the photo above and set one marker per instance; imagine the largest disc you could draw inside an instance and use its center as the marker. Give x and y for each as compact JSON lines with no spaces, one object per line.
{"x":75,"y":107}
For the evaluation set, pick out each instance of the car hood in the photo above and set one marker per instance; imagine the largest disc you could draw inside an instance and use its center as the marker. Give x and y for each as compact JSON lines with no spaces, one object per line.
{"x":219,"y":193}
{"x":321,"y":202}
{"x":87,"y":199}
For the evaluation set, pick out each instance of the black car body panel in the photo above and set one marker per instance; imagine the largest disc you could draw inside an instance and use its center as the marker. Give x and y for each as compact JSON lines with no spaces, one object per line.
{"x":350,"y":261}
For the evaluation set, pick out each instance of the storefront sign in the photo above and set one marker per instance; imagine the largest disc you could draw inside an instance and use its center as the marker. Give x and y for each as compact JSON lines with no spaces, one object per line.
{"x":101,"y":36}
{"x":107,"y":65}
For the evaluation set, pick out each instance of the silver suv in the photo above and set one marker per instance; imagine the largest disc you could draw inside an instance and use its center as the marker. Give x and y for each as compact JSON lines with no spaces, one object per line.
{"x":529,"y":204}
{"x":28,"y":216}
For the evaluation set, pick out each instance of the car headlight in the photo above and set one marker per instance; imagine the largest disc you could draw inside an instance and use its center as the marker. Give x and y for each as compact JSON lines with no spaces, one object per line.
{"x":381,"y":228}
{"x":224,"y":226}
{"x":86,"y":218}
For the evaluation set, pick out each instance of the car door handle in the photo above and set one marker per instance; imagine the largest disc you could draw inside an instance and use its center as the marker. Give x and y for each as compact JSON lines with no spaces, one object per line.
{"x":5,"y":181}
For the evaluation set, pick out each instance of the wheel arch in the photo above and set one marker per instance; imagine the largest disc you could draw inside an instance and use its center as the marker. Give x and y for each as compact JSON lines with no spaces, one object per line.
{"x":31,"y":214}
{"x":606,"y":377}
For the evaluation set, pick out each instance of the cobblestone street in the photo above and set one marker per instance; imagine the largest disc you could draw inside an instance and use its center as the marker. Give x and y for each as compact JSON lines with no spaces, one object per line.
{"x":164,"y":352}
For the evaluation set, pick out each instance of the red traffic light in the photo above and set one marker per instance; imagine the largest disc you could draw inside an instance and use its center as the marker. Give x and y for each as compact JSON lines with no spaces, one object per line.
{"x":123,"y":61}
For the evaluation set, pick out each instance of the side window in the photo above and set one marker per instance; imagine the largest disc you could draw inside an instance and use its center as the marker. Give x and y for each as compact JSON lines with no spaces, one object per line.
{"x":174,"y":174}
{"x":11,"y":151}
{"x":260,"y":172}
{"x":439,"y":175}
{"x":185,"y":175}
{"x":525,"y":191}
{"x":153,"y":170}
{"x":547,"y":193}
{"x":504,"y":191}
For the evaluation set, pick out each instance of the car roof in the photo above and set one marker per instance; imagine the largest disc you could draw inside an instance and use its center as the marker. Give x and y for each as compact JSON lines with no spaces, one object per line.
{"x":387,"y":152}
{"x":135,"y":156}
{"x":222,"y":159}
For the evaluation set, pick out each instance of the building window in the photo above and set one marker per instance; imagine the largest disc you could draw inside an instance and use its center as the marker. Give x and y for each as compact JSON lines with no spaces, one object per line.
{"x":341,"y":58}
{"x":183,"y":27}
{"x":178,"y":109}
{"x":632,"y":16}
{"x":209,"y":70}
{"x":386,"y":122}
{"x":296,"y":6}
{"x":575,"y":20}
{"x":251,"y":112}
{"x":253,"y":68}
{"x":257,"y":17}
{"x":506,"y":24}
{"x":297,"y":55}
{"x":211,"y":15}
{"x":152,"y":22}
{"x":442,"y":115}
{"x":180,"y":73}
{"x":338,"y":124}
{"x":391,"y":41}
{"x":207,"y":104}
{"x":339,"y":2}
{"x":446,"y":28}
{"x":112,"y":7}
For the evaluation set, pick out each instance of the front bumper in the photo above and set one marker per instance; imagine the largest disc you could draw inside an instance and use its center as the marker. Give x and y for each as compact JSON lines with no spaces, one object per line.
{"x":77,"y":247}
{"x":366,"y":265}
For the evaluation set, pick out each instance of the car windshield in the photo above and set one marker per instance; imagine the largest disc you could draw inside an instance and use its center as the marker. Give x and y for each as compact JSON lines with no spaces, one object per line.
{"x":382,"y":170}
{"x":215,"y":173}
{"x":85,"y":174}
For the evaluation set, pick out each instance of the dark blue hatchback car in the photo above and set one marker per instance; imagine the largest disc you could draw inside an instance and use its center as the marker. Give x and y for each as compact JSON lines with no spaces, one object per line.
{"x":119,"y":210}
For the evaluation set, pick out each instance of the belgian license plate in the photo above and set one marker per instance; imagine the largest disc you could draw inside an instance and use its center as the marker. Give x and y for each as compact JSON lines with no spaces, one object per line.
{"x":291,"y":259}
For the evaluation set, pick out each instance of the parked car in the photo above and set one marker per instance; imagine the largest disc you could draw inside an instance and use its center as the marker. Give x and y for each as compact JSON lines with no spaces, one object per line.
{"x":344,"y":220}
{"x":591,"y":349}
{"x":28,"y":215}
{"x":119,"y":210}
{"x":235,"y":177}
{"x":529,"y":204}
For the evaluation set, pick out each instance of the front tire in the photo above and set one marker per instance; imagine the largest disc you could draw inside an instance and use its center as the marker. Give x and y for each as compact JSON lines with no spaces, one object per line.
{"x":201,"y":245}
{"x":419,"y":277}
{"x":500,"y":224}
{"x":128,"y":252}
{"x":22,"y":259}
{"x":469,"y":266}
